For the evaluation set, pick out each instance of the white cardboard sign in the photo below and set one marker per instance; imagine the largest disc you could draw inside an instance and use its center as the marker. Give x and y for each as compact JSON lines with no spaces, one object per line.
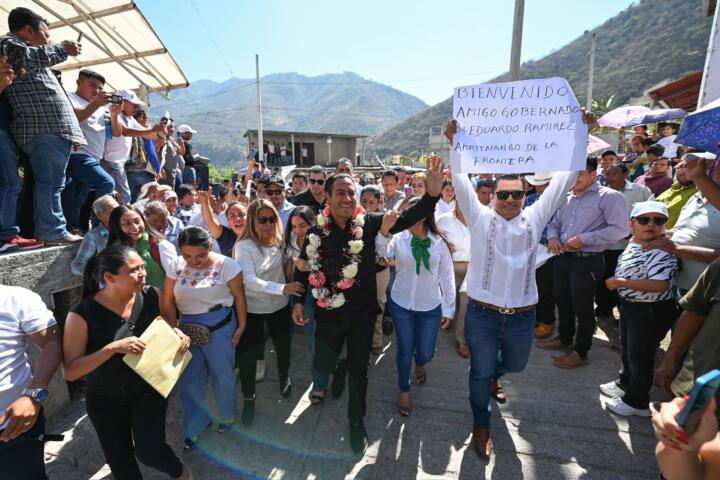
{"x":516,"y":127}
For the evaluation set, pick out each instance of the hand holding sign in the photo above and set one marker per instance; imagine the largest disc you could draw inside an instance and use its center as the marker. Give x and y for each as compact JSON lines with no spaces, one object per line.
{"x":515,"y":127}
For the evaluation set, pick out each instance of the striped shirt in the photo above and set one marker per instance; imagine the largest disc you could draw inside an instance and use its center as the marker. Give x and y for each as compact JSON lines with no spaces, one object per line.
{"x":634,"y":264}
{"x":39,"y":103}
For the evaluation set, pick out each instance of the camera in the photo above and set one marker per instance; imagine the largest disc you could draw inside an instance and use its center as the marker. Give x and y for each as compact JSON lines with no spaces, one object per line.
{"x":116,"y":99}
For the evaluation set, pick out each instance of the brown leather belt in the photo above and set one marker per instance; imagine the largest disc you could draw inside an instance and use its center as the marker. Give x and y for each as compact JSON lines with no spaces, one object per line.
{"x":503,"y":310}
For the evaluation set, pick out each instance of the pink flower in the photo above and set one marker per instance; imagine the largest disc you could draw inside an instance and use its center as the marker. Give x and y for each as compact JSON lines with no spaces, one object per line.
{"x":345,"y":283}
{"x":323,"y":303}
{"x":326,"y":211}
{"x":317,"y":279}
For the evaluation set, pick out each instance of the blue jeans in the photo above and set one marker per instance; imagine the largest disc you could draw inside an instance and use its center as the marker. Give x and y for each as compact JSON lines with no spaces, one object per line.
{"x":83,"y":174}
{"x":416,"y":336}
{"x":320,"y":379}
{"x":49,"y":156}
{"x":117,"y":171}
{"x":215,"y":360}
{"x":9,"y":186}
{"x":136,"y":179}
{"x":499,"y":344}
{"x":188,"y":176}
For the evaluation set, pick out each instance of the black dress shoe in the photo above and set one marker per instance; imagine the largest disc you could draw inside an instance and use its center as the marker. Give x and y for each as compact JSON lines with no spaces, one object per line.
{"x":285,"y":386}
{"x":358,"y":438}
{"x":248,"y":412}
{"x":338,"y":380}
{"x":387,"y":328}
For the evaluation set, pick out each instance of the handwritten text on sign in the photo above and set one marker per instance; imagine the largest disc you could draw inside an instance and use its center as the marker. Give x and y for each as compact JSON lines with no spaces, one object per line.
{"x":515,"y":127}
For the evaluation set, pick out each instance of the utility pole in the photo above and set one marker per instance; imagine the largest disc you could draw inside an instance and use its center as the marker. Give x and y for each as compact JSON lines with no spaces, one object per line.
{"x":517,"y":40}
{"x":259,"y":109}
{"x":591,"y":74}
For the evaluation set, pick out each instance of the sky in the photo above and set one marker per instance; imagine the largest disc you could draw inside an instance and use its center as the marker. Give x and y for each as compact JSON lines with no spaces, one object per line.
{"x":425,"y":48}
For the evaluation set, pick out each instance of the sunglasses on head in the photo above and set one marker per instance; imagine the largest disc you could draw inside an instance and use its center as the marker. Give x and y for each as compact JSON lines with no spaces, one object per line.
{"x":656,"y":220}
{"x":505,"y":194}
{"x":264,"y":220}
{"x":274,"y":192}
{"x":318,"y":181}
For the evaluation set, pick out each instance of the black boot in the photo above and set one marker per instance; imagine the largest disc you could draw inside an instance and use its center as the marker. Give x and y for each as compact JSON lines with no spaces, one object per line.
{"x":285,"y":386}
{"x":248,"y":413}
{"x":358,"y":438}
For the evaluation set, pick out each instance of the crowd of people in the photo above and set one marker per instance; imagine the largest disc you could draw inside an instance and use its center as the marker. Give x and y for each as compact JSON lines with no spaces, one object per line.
{"x":347,"y":258}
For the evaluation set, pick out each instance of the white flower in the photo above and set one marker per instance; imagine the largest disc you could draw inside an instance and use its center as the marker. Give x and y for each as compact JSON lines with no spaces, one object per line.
{"x":321,"y":220}
{"x":313,"y":264}
{"x":319,"y":293}
{"x":337,"y":301}
{"x":314,"y":240}
{"x":311,"y":250}
{"x":355,"y":246}
{"x":350,"y":270}
{"x":360,"y":220}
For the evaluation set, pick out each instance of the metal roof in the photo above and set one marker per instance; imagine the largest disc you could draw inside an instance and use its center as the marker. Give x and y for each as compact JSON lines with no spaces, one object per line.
{"x":306,"y":134}
{"x":118,"y":42}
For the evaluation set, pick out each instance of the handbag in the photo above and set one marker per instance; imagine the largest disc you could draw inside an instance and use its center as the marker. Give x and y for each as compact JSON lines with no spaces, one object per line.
{"x":200,"y":334}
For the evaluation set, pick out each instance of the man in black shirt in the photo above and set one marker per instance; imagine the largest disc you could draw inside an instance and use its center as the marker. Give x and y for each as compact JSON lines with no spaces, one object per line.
{"x":346,"y":314}
{"x":314,"y":196}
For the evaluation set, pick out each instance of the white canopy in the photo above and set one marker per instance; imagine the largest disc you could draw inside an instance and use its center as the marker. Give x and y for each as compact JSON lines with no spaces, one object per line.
{"x":118,"y":42}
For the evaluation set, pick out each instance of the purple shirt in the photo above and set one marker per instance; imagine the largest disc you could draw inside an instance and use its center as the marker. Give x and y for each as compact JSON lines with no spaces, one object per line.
{"x":599,"y":217}
{"x":657,"y":185}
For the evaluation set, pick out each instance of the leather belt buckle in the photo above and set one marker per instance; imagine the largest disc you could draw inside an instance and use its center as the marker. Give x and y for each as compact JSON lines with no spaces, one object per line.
{"x":506,"y":310}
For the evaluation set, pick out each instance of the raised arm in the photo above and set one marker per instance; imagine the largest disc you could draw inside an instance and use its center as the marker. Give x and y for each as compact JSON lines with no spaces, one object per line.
{"x":426,"y":205}
{"x":553,"y":197}
{"x":214,"y":227}
{"x":28,"y":56}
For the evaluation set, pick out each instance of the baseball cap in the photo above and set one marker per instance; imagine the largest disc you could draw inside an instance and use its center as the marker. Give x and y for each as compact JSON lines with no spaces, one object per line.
{"x":275,"y":180}
{"x":539,"y":178}
{"x":130,"y":96}
{"x":168,"y":195}
{"x":641,"y":208}
{"x":699,"y":156}
{"x":185,"y":128}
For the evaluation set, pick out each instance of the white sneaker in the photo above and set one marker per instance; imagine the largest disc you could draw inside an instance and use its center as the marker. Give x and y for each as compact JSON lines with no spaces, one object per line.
{"x":260,"y":370}
{"x":616,"y":405}
{"x":612,"y":390}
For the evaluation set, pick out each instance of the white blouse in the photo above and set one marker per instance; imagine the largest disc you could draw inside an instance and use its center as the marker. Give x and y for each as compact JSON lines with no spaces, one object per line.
{"x":457,"y":234}
{"x":425,"y":291}
{"x":263,"y":275}
{"x":442,"y":208}
{"x":199,"y":290}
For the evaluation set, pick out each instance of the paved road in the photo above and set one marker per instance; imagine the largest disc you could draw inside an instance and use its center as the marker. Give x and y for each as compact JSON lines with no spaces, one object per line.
{"x":552,"y":427}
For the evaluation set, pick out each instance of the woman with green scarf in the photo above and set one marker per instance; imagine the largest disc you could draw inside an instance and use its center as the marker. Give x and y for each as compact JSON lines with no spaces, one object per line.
{"x":127,"y":226}
{"x":422,"y":296}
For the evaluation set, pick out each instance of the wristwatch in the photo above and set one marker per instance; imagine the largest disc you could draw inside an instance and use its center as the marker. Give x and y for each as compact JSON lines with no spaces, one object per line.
{"x":38,"y":394}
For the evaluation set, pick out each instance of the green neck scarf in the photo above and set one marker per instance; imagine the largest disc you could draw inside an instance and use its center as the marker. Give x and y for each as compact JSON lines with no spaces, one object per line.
{"x":421,"y":252}
{"x":155,"y":275}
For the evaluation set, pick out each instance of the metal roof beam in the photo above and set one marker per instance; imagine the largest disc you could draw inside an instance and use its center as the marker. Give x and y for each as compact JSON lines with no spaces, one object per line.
{"x":94,"y":15}
{"x":118,"y":58}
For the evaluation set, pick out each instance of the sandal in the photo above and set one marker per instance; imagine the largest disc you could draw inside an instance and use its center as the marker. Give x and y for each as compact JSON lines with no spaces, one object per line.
{"x":225,"y":427}
{"x":404,"y":411}
{"x":317,"y":396}
{"x":421,"y":379}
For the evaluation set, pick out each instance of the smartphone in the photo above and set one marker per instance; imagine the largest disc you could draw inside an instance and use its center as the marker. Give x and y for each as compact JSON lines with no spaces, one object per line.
{"x":215,"y":187}
{"x":704,"y":389}
{"x":116,"y":99}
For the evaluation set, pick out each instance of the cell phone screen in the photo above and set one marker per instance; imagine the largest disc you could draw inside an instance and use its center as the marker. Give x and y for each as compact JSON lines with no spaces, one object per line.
{"x":704,"y":389}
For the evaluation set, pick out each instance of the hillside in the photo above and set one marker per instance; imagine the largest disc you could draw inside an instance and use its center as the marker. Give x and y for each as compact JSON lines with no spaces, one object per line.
{"x":334,"y":103}
{"x":640,"y":47}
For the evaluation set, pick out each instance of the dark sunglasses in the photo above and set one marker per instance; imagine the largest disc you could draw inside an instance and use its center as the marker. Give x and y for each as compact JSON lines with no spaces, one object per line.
{"x":264,"y":220}
{"x":657,"y":220}
{"x":505,"y":194}
{"x":319,"y":181}
{"x":274,"y":192}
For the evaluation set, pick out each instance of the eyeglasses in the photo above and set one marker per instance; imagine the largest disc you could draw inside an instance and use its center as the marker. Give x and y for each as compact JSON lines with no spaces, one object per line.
{"x":505,"y":194}
{"x":656,"y":220}
{"x":274,"y":192}
{"x":318,"y":181}
{"x":264,"y":220}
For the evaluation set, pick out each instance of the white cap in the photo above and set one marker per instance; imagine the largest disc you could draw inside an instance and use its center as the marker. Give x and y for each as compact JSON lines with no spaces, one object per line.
{"x":699,"y":156}
{"x":129,"y":96}
{"x":641,"y":208}
{"x":185,"y":128}
{"x":539,"y":178}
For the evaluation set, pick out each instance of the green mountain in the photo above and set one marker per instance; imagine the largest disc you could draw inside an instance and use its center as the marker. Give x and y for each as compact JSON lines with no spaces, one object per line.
{"x":651,"y":41}
{"x":332,"y":103}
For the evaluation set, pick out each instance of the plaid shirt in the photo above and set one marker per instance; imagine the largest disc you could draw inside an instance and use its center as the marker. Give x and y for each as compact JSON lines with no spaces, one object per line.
{"x":39,"y":103}
{"x":93,"y":242}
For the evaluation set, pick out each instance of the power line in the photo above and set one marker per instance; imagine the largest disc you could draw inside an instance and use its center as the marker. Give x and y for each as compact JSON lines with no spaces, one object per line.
{"x":207,"y":30}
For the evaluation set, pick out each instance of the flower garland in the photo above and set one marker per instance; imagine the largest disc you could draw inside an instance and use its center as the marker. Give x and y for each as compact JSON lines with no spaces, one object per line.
{"x":331,"y":296}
